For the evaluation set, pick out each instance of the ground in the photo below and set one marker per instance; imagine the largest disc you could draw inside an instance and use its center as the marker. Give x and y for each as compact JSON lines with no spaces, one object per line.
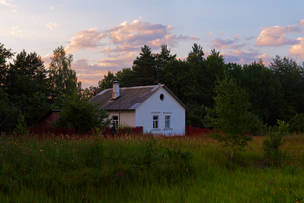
{"x":137,"y":169}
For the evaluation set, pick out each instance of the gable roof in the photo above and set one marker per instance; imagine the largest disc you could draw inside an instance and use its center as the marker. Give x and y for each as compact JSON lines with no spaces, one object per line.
{"x":130,"y":97}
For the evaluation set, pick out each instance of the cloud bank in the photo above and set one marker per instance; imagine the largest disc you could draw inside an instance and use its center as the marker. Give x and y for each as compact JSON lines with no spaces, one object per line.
{"x":277,"y":35}
{"x":119,"y":46}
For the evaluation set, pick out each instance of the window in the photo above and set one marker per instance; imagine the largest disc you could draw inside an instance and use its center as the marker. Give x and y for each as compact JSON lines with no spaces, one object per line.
{"x":155,"y":121}
{"x":115,"y":121}
{"x":162,"y":96}
{"x":167,"y":121}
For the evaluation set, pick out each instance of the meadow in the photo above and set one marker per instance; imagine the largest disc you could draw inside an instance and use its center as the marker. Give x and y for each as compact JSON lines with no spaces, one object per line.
{"x":145,"y":169}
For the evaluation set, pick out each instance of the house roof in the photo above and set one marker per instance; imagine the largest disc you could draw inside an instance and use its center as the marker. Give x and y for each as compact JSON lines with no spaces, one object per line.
{"x":130,"y":97}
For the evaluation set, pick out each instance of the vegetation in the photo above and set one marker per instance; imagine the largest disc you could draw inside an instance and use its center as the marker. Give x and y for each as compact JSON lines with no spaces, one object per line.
{"x":81,"y":115}
{"x":141,"y":169}
{"x":274,"y":91}
{"x":233,"y":118}
{"x":30,"y":88}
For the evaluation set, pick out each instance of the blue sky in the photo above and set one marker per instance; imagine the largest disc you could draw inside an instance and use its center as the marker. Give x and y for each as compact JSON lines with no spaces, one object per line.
{"x":107,"y":35}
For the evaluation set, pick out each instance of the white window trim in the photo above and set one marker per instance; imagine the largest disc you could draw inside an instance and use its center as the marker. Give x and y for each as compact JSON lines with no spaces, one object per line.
{"x":155,"y":121}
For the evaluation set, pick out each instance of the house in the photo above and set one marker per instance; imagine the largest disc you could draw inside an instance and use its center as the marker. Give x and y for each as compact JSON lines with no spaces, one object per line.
{"x":155,"y":108}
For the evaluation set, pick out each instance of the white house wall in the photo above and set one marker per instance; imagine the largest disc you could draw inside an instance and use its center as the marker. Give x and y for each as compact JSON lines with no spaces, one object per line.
{"x":155,"y":106}
{"x":126,"y":118}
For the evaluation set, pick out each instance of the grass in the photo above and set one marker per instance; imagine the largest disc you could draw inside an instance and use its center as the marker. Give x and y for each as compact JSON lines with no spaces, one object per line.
{"x":145,"y":169}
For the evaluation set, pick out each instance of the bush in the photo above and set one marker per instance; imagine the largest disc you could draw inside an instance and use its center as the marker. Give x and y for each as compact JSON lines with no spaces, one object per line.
{"x":21,"y":128}
{"x":273,"y":154}
{"x":233,"y":117}
{"x":82,"y":115}
{"x":297,"y":123}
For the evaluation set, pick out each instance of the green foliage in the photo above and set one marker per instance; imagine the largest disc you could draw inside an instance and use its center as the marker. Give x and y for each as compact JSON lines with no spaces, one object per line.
{"x":115,"y":170}
{"x":9,"y":113}
{"x":107,"y":81}
{"x":60,"y":168}
{"x":81,"y":115}
{"x":5,"y":55}
{"x":264,"y":89}
{"x":63,"y":80}
{"x":291,"y":77}
{"x":21,"y":127}
{"x":233,"y":117}
{"x":271,"y":146}
{"x":275,"y":92}
{"x":297,"y":123}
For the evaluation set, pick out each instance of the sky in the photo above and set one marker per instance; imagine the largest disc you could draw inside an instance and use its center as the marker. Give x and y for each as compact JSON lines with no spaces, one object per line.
{"x":107,"y":35}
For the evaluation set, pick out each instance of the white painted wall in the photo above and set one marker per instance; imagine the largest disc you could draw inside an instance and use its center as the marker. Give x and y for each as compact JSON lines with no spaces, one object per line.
{"x":155,"y":106}
{"x":126,"y":118}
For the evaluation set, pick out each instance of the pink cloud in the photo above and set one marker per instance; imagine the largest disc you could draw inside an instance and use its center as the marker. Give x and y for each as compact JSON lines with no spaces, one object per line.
{"x":302,"y":22}
{"x":298,"y":49}
{"x":137,"y":33}
{"x":223,"y":43}
{"x":90,"y":74}
{"x":242,"y":57}
{"x":84,"y":39}
{"x":276,"y":35}
{"x":126,"y":37}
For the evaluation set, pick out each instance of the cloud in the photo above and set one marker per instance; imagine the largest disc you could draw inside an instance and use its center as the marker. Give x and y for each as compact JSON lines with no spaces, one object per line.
{"x":46,"y":59}
{"x":119,"y":45}
{"x":6,"y":3}
{"x":121,"y":61}
{"x":85,"y":39}
{"x":51,"y":26}
{"x":265,"y":58}
{"x":90,"y":74}
{"x":223,"y":43}
{"x":276,"y":35}
{"x":302,"y":22}
{"x":16,"y":32}
{"x":228,"y":43}
{"x":127,"y":37}
{"x":298,"y":49}
{"x":242,"y":57}
{"x":137,"y":33}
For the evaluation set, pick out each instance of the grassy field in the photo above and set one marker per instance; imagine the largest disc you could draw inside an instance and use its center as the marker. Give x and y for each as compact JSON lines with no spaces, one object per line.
{"x":144,"y":169}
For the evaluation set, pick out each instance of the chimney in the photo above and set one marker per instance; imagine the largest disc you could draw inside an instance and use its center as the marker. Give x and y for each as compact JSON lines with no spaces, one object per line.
{"x":115,"y":92}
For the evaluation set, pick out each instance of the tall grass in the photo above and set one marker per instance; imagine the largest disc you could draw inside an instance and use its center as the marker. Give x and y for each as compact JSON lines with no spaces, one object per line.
{"x":145,"y":169}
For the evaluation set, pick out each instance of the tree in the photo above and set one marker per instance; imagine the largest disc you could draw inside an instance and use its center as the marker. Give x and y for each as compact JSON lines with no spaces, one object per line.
{"x":82,"y":115}
{"x":26,"y":84}
{"x":5,"y":55}
{"x":291,"y":76}
{"x":63,"y":80}
{"x":107,"y":81}
{"x":233,"y":116}
{"x":8,"y":113}
{"x":264,"y":89}
{"x":144,"y":67}
{"x":162,"y":60}
{"x":196,"y":55}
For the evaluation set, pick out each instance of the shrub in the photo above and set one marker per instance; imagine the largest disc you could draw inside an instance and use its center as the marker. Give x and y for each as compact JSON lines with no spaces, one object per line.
{"x":21,"y":128}
{"x":272,"y":144}
{"x":297,"y":123}
{"x":82,"y":115}
{"x":233,"y":117}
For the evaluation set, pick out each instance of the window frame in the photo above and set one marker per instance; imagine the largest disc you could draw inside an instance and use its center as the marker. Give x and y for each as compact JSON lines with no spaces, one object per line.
{"x":115,"y":122}
{"x":167,"y":121}
{"x":155,"y":122}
